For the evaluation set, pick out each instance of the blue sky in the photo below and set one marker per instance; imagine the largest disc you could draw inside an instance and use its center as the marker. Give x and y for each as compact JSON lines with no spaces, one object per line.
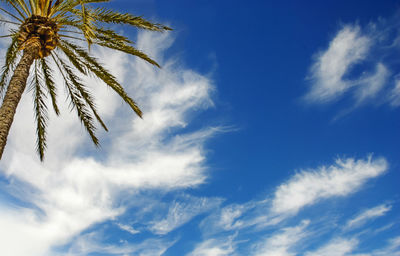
{"x":271,"y":130}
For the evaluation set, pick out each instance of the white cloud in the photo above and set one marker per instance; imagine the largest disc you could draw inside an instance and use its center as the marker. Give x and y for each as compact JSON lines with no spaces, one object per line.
{"x":348,"y":48}
{"x":336,"y":247}
{"x":229,"y":215}
{"x":227,"y":218}
{"x":366,"y":215}
{"x":329,"y":74}
{"x":371,"y":85}
{"x":283,"y":242}
{"x":92,"y":243}
{"x":181,"y":212}
{"x":392,"y":249}
{"x":395,"y":95}
{"x":215,"y":247}
{"x":128,"y":228}
{"x":308,"y":187}
{"x":347,"y":246}
{"x":77,"y":186}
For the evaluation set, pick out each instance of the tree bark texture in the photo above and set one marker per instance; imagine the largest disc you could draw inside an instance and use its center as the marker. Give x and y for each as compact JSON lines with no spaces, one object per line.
{"x":14,"y":92}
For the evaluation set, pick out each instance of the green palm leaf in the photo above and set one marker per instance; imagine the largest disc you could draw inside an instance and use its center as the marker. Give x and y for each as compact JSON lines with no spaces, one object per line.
{"x":77,"y":101}
{"x":11,"y":58}
{"x":40,"y":113}
{"x":49,"y":81}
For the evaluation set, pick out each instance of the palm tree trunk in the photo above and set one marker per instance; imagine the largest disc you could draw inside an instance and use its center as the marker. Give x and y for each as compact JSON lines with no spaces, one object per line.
{"x":14,"y":92}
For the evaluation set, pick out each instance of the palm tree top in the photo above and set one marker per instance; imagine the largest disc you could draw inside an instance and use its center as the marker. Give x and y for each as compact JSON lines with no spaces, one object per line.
{"x":52,"y":29}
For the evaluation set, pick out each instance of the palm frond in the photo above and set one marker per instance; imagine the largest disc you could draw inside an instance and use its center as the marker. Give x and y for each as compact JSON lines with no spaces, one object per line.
{"x":21,"y":9}
{"x":69,"y":21}
{"x":33,"y":6}
{"x":11,"y":15}
{"x":75,"y":60}
{"x":85,"y":95}
{"x":24,"y":6}
{"x":43,"y":6}
{"x":73,"y":37}
{"x":49,"y":7}
{"x":99,"y":71}
{"x":62,"y":7}
{"x":77,"y":101}
{"x":40,"y":113}
{"x":81,"y":87}
{"x":70,"y":31}
{"x":110,"y":16}
{"x":106,"y":42}
{"x":87,"y":24}
{"x":9,"y":22}
{"x":111,"y":35}
{"x":49,"y":81}
{"x":11,"y":58}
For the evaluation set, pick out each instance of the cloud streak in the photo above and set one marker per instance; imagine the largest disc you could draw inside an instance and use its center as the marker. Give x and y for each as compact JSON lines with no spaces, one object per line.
{"x":181,"y":212}
{"x":215,"y":247}
{"x":336,"y":247}
{"x":366,"y":215}
{"x":282,"y":243}
{"x":308,"y":187}
{"x":348,"y":48}
{"x":357,"y":62}
{"x":395,"y":95}
{"x":92,"y":243}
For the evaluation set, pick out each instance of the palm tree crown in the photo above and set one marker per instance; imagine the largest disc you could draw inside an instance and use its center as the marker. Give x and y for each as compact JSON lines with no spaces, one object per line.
{"x":45,"y":37}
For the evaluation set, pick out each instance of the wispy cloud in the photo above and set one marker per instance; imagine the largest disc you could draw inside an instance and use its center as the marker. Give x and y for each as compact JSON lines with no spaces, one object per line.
{"x":92,"y":243}
{"x":76,"y":188}
{"x":356,"y":63}
{"x":393,"y":248}
{"x":308,"y":187}
{"x":348,"y":48}
{"x":349,"y":246}
{"x":228,"y":218}
{"x":368,"y":214}
{"x":215,"y":247}
{"x":395,"y":95}
{"x":336,"y":247}
{"x":283,"y":242}
{"x":181,"y":212}
{"x":128,"y":228}
{"x":372,"y":84}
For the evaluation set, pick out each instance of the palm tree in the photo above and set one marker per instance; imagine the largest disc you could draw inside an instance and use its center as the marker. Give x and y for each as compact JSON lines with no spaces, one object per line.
{"x":46,"y":36}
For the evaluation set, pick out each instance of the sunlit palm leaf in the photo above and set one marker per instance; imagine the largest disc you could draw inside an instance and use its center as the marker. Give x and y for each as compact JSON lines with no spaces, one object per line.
{"x":77,"y":102}
{"x":40,"y":112}
{"x":49,"y":81}
{"x":11,"y":58}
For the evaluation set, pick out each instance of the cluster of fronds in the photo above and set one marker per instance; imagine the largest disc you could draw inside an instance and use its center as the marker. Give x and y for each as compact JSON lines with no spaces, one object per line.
{"x":56,"y":25}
